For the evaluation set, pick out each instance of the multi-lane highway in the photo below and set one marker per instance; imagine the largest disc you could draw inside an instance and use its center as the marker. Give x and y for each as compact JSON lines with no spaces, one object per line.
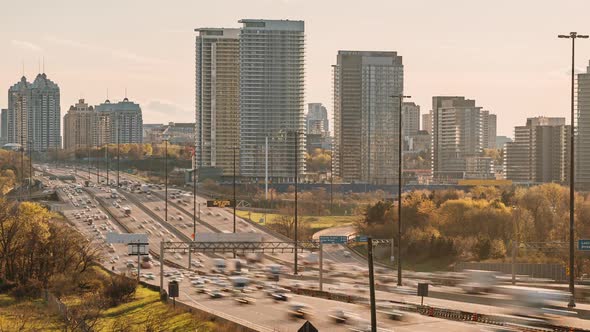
{"x":346,"y":275}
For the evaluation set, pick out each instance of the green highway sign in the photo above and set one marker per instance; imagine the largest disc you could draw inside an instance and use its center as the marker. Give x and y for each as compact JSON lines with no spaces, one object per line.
{"x":222,"y":203}
{"x":333,"y":239}
{"x":361,"y":238}
{"x":584,"y":245}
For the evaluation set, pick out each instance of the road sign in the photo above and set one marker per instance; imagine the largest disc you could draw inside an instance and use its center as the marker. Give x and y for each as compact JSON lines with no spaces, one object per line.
{"x":221,"y":203}
{"x":333,"y":239}
{"x":307,"y":327}
{"x":126,"y":238}
{"x":584,"y":245}
{"x":141,"y":249}
{"x":361,"y":238}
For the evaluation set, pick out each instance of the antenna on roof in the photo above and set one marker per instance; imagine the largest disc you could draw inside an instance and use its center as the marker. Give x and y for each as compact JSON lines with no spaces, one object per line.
{"x":107,"y":93}
{"x":125,"y":92}
{"x":44,"y":65}
{"x":23,"y":67}
{"x":39,"y":65}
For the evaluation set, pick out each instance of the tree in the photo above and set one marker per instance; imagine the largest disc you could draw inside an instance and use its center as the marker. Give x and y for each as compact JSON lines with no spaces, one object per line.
{"x":319,"y":160}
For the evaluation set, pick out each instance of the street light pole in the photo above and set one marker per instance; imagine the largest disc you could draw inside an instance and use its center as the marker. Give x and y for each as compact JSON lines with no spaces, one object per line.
{"x":118,"y":150}
{"x":296,"y":190}
{"x":97,"y":164}
{"x":195,"y":202}
{"x":573,"y":36}
{"x":88,"y":148}
{"x":234,"y":185}
{"x":399,"y":191}
{"x":106,"y":151}
{"x":166,"y":180}
{"x":30,"y":169}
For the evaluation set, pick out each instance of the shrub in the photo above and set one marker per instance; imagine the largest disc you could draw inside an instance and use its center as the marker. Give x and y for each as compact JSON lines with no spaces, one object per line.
{"x":31,"y":289}
{"x":120,"y":289}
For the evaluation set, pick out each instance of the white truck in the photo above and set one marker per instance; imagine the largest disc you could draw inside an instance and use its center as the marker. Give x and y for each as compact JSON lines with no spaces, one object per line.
{"x":218,"y":265}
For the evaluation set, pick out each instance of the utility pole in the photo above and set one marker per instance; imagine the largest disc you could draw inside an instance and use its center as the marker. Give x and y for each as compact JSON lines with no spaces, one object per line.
{"x":332,"y":183}
{"x":166,"y":180}
{"x":195,"y":182}
{"x":30,"y":169}
{"x":118,"y":150}
{"x":265,"y":168}
{"x":234,"y":190}
{"x":97,"y":164}
{"x":399,"y":190}
{"x":235,"y":202}
{"x":372,"y":285}
{"x":296,"y":133}
{"x":573,"y":36}
{"x":107,"y":158}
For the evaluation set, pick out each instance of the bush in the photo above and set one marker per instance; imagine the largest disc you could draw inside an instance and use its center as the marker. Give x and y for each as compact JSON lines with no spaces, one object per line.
{"x":29,"y":290}
{"x":120,"y":289}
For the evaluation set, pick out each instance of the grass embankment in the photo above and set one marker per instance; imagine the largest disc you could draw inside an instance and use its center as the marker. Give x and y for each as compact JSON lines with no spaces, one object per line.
{"x":315,"y":222}
{"x":144,"y":311}
{"x":32,"y":315}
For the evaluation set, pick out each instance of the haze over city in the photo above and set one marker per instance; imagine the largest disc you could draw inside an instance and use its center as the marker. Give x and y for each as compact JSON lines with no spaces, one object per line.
{"x":295,"y":165}
{"x":504,"y":54}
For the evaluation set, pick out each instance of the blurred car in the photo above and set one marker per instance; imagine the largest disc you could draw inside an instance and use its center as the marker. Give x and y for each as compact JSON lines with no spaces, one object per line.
{"x":279,"y":296}
{"x":339,"y":316}
{"x":299,"y":310}
{"x":215,"y":294}
{"x":479,"y":281}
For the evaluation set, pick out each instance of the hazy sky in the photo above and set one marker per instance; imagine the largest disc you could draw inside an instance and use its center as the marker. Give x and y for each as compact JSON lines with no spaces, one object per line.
{"x":503,"y":53}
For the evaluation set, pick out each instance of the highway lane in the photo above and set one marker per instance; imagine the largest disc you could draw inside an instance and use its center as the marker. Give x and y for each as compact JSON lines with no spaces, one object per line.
{"x":345,"y":282}
{"x":275,"y":314}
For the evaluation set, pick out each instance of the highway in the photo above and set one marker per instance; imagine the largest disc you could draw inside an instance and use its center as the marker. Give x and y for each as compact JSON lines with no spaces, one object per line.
{"x":347,"y":271}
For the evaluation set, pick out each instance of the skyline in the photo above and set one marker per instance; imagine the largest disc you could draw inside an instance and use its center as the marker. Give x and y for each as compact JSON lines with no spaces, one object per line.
{"x":526,"y":77}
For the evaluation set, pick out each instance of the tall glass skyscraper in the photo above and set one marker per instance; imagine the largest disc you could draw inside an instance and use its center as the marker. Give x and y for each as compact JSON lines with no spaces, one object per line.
{"x":272,"y":55}
{"x":217,"y":124}
{"x":366,"y":117}
{"x":33,"y":118}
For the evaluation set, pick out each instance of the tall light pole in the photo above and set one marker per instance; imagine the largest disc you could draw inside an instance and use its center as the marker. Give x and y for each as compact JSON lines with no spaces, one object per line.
{"x":195,"y":196}
{"x":234,"y":185}
{"x":106,"y":151}
{"x":296,"y":134}
{"x":30,"y":168}
{"x":166,"y":179}
{"x":88,"y":148}
{"x":573,"y":36}
{"x":399,"y":190}
{"x":97,"y":164}
{"x":118,"y":149}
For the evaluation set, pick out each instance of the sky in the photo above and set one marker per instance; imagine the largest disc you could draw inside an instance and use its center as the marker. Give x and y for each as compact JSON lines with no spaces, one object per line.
{"x":503,"y":53}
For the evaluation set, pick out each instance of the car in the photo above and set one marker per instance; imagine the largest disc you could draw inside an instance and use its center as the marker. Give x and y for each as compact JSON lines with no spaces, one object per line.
{"x":245,"y":300}
{"x":298,"y":310}
{"x":215,"y":294}
{"x":279,"y":296}
{"x":339,"y":316}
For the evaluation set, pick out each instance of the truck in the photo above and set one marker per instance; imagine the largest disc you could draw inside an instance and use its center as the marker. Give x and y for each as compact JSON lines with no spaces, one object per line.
{"x":218,"y":265}
{"x":114,"y":193}
{"x":254,"y":257}
{"x":479,"y":281}
{"x":235,"y":266}
{"x":127,"y":210}
{"x":145,"y":188}
{"x":273,"y":272}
